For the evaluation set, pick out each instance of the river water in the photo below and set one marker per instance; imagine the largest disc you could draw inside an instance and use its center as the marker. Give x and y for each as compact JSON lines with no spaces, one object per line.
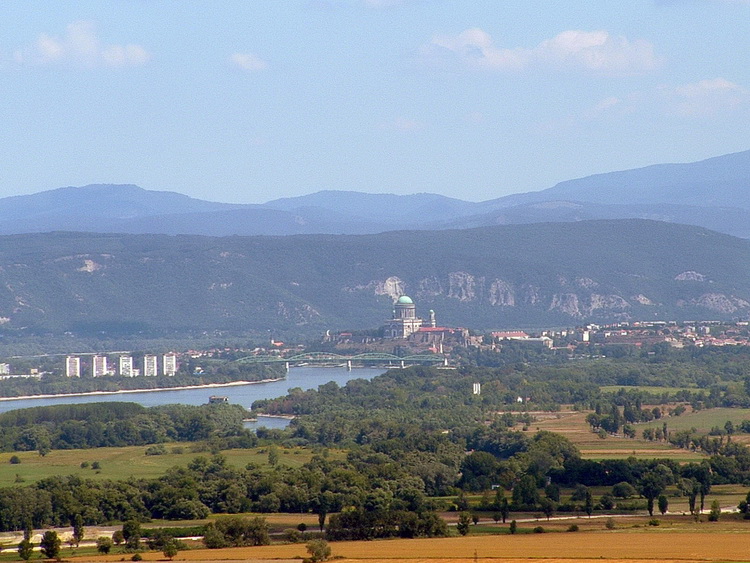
{"x":302,"y":377}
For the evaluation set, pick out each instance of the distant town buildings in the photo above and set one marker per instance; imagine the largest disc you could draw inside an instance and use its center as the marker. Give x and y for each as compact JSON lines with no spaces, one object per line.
{"x":125,"y":365}
{"x":4,"y":369}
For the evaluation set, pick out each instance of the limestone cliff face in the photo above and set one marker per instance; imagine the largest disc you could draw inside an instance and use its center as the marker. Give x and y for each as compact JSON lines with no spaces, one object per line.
{"x":720,"y":303}
{"x":576,"y":297}
{"x":462,"y":286}
{"x":501,"y":294}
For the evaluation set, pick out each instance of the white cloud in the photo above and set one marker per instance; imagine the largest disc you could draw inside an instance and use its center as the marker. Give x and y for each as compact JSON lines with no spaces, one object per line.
{"x":80,"y":46}
{"x":248,"y":61}
{"x":707,"y":97}
{"x":589,"y":51}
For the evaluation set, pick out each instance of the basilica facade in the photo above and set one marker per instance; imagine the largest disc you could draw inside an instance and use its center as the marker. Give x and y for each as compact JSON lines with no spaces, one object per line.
{"x":405,"y":321}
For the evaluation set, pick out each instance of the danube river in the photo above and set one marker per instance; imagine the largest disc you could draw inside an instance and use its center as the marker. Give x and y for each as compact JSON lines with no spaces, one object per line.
{"x":302,"y":377}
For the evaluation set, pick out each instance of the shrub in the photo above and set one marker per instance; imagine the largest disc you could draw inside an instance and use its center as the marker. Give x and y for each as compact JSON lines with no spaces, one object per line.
{"x":573,"y":528}
{"x":158,"y":449}
{"x":624,"y":489}
{"x":538,"y":530}
{"x":654,"y":522}
{"x":610,"y":524}
{"x":104,"y":545}
{"x":137,"y":557}
{"x":319,"y":550}
{"x":292,"y":536}
{"x":513,"y":526}
{"x":15,"y":460}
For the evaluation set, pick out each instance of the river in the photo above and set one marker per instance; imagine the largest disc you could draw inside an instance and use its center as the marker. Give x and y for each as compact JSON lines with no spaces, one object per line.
{"x":245,"y":395}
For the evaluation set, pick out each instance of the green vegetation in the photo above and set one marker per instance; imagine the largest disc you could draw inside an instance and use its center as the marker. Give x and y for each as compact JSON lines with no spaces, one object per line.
{"x":94,"y":425}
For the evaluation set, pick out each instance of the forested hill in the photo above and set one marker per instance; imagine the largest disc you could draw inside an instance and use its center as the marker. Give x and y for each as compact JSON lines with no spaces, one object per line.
{"x":520,"y":275}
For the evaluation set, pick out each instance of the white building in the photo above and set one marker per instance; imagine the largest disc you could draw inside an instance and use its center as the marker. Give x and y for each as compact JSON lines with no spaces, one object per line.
{"x":73,"y":366}
{"x":4,"y":369}
{"x":99,"y":366}
{"x":126,"y":366}
{"x":169,"y":364}
{"x":150,"y":365}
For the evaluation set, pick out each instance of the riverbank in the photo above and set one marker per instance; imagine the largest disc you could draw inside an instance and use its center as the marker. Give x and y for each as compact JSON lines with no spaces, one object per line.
{"x":124,"y":391}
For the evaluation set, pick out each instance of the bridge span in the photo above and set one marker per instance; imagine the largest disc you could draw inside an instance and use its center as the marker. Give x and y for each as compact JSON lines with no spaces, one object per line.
{"x":366,"y":359}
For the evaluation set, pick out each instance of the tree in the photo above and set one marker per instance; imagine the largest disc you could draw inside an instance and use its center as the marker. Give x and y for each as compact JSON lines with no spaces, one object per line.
{"x":50,"y":544}
{"x":663,"y":504}
{"x":273,"y":456}
{"x":505,"y":509}
{"x":319,"y":550}
{"x":78,"y":531}
{"x":548,"y":507}
{"x":118,"y":537}
{"x":25,"y":549}
{"x":239,"y":531}
{"x":653,"y":483}
{"x":213,"y":538}
{"x":513,"y":526}
{"x":713,"y":516}
{"x":104,"y":545}
{"x":464,"y":521}
{"x":170,"y":548}
{"x":588,"y":505}
{"x":131,"y":532}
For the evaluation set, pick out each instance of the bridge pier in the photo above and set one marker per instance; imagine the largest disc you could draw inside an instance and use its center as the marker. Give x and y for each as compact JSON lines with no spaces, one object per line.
{"x":402,"y":364}
{"x":348,"y":365}
{"x":287,"y":366}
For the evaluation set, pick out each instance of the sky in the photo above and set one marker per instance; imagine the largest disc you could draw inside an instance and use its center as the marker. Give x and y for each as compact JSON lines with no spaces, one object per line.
{"x":251,"y":100}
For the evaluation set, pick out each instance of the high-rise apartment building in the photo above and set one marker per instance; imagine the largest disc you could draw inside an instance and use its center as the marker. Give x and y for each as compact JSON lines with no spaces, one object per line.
{"x":73,"y":366}
{"x":169,"y":364}
{"x":126,"y":366}
{"x":150,"y":365}
{"x":99,"y":366}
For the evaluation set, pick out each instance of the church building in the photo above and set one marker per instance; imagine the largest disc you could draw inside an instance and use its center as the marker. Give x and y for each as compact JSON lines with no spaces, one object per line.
{"x":405,"y":320}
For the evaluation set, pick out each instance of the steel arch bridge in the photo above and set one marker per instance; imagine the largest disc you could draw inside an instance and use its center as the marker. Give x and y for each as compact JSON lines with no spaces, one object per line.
{"x":328,"y":358}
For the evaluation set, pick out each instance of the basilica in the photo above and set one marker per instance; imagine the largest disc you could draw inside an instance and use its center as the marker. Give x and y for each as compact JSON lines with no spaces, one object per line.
{"x":405,"y":321}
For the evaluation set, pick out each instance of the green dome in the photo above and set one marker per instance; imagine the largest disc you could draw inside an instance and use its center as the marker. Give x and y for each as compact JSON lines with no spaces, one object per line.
{"x":404,"y":300}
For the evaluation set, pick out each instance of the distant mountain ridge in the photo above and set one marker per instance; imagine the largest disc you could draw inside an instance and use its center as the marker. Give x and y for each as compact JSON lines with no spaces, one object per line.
{"x":547,"y":274}
{"x":713,"y":193}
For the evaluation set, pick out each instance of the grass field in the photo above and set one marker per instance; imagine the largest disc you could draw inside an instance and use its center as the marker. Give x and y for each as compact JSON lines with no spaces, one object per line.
{"x":702,"y":420}
{"x":573,"y":426}
{"x":122,"y":463}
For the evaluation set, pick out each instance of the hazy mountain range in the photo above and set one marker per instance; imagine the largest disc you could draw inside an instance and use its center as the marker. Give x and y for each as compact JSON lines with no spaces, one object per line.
{"x":713,"y":193}
{"x":549,"y":274}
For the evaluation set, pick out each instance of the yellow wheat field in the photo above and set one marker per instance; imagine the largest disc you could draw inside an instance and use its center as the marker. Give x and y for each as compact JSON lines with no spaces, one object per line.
{"x":630,"y":546}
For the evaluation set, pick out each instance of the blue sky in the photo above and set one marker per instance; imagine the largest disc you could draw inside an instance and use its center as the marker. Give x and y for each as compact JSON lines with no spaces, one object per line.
{"x":246,"y":101}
